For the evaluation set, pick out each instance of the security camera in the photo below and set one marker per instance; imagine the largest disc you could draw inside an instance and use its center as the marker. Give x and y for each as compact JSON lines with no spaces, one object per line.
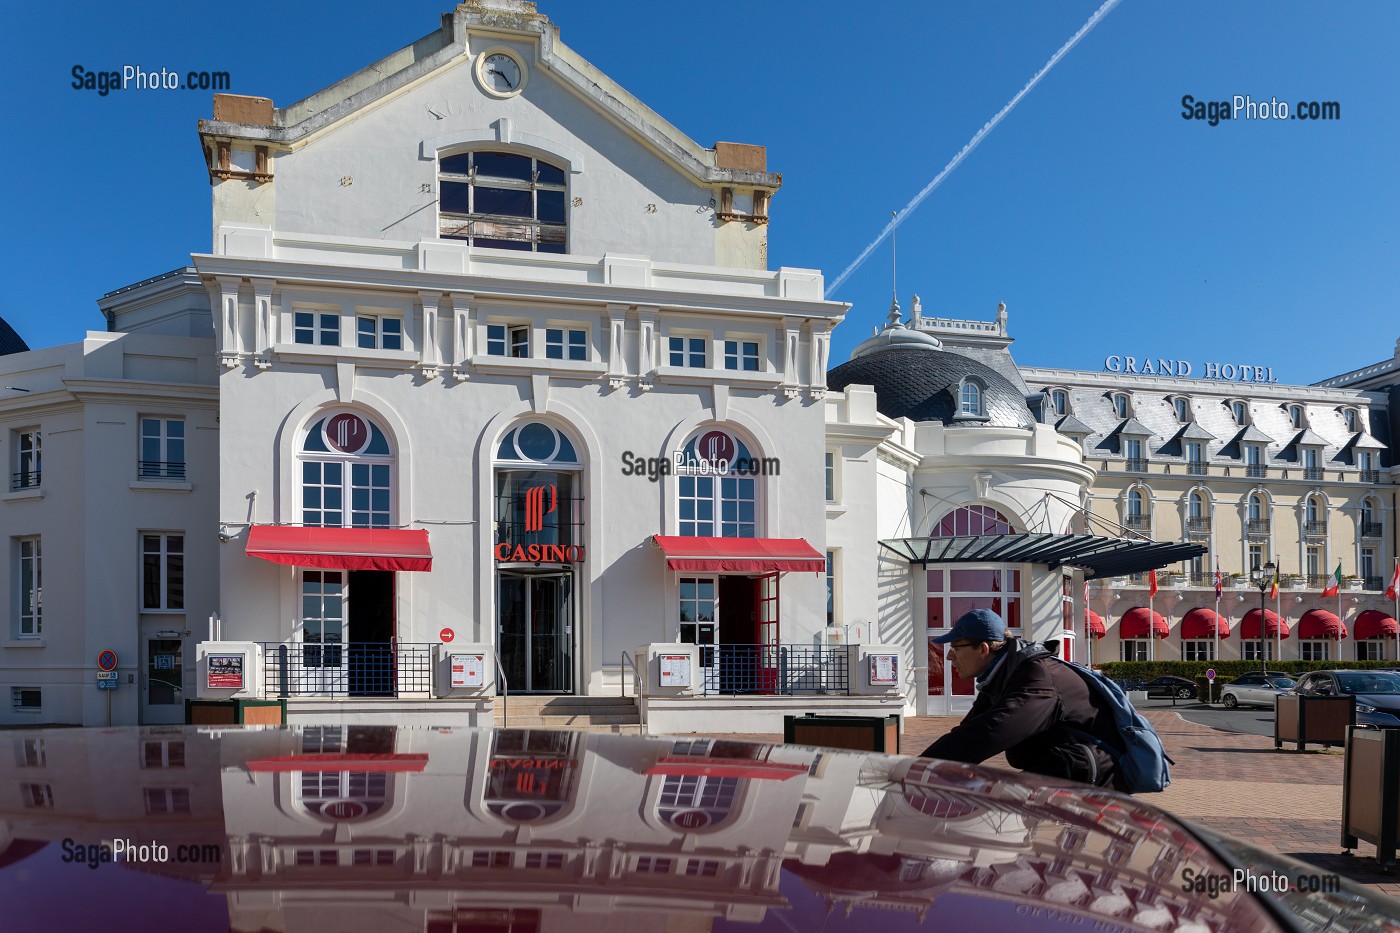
{"x":226,"y":536}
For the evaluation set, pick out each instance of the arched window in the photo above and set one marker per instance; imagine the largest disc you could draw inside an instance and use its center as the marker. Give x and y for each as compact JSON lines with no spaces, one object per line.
{"x":971,"y":398}
{"x":1256,"y":508}
{"x":1240,"y":411}
{"x":503,"y":200}
{"x":1313,"y":510}
{"x":717,"y":486}
{"x":347,"y":474}
{"x":1183,"y":410}
{"x":1196,"y":506}
{"x":972,"y":520}
{"x":1120,"y":405}
{"x":537,"y":487}
{"x":1137,"y":506}
{"x":1059,"y":401}
{"x":1295,"y":415}
{"x":1350,"y":415}
{"x":1368,"y":512}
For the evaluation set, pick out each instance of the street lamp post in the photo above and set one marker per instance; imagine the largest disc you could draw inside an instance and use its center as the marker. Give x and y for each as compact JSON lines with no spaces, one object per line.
{"x":1263,"y":577}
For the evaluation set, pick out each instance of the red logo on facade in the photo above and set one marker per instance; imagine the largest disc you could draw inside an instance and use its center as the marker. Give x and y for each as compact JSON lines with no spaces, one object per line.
{"x":347,"y":433}
{"x":534,"y":506}
{"x":716,"y":447}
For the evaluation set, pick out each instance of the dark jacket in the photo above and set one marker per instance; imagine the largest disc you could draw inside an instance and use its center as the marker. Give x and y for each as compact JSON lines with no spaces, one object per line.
{"x":1026,"y":708}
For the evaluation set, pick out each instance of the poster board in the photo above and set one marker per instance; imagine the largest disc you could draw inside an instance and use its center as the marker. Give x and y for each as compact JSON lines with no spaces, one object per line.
{"x":468,"y":670}
{"x":675,"y":670}
{"x":225,"y":671}
{"x":884,"y":670}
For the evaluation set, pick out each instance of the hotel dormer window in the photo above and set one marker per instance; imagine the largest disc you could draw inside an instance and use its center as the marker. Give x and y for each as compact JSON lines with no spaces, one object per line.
{"x":1295,"y":416}
{"x":502,"y":200}
{"x":1349,"y":414}
{"x":1120,"y":405}
{"x":971,"y":399}
{"x":1059,"y":401}
{"x":1240,"y":412}
{"x":1182,"y":408}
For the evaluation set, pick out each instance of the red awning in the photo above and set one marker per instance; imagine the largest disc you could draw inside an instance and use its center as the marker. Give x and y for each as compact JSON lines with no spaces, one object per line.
{"x":342,"y":548}
{"x":1273,"y":625}
{"x":696,"y":766}
{"x":1319,"y":623}
{"x":1376,"y":624}
{"x":740,"y":555}
{"x":1136,"y":623}
{"x":1096,"y":626}
{"x":340,"y":761}
{"x":1204,"y":623}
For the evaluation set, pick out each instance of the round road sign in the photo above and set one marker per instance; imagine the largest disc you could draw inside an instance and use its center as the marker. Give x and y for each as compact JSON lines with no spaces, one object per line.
{"x":447,"y":634}
{"x":1210,"y":674}
{"x":107,"y":660}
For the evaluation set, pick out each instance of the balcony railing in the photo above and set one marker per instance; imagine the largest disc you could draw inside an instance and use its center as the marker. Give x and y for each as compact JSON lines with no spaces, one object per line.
{"x":1256,"y":470}
{"x":1372,"y":530}
{"x":1198,"y":526}
{"x":365,"y":669}
{"x":1315,"y":529}
{"x":1373,"y":583}
{"x":27,"y":480}
{"x":1319,"y":580}
{"x":775,"y":669}
{"x":1196,"y":468}
{"x":1138,"y":522}
{"x":1135,"y":464}
{"x":1313,"y":473}
{"x":160,"y":469}
{"x":1257,"y":526}
{"x":1205,"y":579}
{"x":1370,"y":476}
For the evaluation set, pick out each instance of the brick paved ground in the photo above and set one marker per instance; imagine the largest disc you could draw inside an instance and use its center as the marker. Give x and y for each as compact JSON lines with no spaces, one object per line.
{"x":1236,"y":784}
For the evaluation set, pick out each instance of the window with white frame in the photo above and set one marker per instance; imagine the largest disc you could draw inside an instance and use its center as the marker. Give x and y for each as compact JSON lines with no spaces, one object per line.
{"x":565,"y":343}
{"x":1198,"y":649}
{"x":36,"y":796}
{"x":1367,"y":567}
{"x":970,"y":398}
{"x":1240,"y":412}
{"x":322,"y":617}
{"x":379,"y":332}
{"x":316,"y":328}
{"x":832,"y":493}
{"x":1253,"y":454}
{"x":711,"y":505}
{"x":1364,"y":461}
{"x":166,"y":800}
{"x":1059,"y":401}
{"x":741,"y":355}
{"x":1134,"y":649}
{"x":30,"y":753}
{"x":1182,"y":408}
{"x":162,"y":571}
{"x":1313,"y":559}
{"x":29,"y":594}
{"x":1295,"y":415}
{"x":163,"y":754}
{"x":502,"y":200}
{"x":162,"y":448}
{"x":688,"y":352}
{"x":1195,"y":453}
{"x":1370,"y":649}
{"x":1349,"y":415}
{"x":512,"y":340}
{"x":1257,"y":555}
{"x":1120,"y":405}
{"x":28,"y":459}
{"x":26,"y":699}
{"x":1249,"y":649}
{"x":347,"y":474}
{"x":831,"y":598}
{"x":1132,"y":448}
{"x":1314,"y":650}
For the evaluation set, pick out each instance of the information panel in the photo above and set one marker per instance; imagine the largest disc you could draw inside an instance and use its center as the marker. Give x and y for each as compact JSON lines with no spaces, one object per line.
{"x":468,"y":670}
{"x":884,"y":670}
{"x":225,"y":671}
{"x":675,"y":670}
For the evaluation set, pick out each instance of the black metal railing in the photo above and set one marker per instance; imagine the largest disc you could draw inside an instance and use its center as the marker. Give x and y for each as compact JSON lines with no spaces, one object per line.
{"x":1198,"y":526}
{"x":1372,"y":530}
{"x":1312,"y":472}
{"x":160,"y":469}
{"x":26,"y":480}
{"x":775,"y":669}
{"x":1135,"y":464}
{"x":366,"y":669}
{"x":1138,"y":522}
{"x":1315,"y":529}
{"x":1370,"y":476}
{"x":1256,"y":470}
{"x":1319,"y":579}
{"x":1257,"y":526}
{"x":1373,"y":583}
{"x":1196,"y":468}
{"x":1206,"y":579}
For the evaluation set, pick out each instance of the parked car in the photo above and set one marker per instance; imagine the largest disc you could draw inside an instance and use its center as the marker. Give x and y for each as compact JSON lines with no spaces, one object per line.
{"x":1256,"y":689}
{"x":1377,"y":693}
{"x":1165,"y":686}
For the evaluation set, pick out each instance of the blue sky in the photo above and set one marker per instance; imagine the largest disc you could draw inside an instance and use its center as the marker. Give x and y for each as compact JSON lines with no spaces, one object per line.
{"x":1105,"y":221}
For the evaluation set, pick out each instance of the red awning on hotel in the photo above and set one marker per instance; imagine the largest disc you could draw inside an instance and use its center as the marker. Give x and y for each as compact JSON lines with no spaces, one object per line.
{"x":1096,"y":626}
{"x":342,"y":548}
{"x":1273,"y":625}
{"x":1137,"y":622}
{"x":1319,"y":623}
{"x":1204,"y":623}
{"x":740,"y":555}
{"x":1376,"y":624}
{"x":695,"y":766}
{"x":340,"y":761}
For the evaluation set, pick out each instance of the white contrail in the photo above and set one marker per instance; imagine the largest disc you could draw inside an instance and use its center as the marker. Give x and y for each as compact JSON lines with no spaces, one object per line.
{"x":976,"y":140}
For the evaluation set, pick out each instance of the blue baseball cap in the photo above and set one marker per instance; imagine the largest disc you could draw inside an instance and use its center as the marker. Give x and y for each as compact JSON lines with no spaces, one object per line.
{"x":974,"y":626}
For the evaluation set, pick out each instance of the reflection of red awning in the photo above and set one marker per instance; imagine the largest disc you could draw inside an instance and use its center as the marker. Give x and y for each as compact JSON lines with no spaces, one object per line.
{"x":1137,"y":622}
{"x":695,"y":766}
{"x":1319,"y":623}
{"x":1376,"y":624}
{"x":340,"y":761}
{"x":342,"y":548}
{"x":1204,"y":623}
{"x":1096,"y":626}
{"x":1249,"y":625}
{"x":740,"y":555}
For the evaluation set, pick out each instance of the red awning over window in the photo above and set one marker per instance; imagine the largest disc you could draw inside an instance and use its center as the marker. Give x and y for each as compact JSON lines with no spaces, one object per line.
{"x":1096,"y":626}
{"x":342,"y":548}
{"x":1273,"y":625}
{"x":1136,"y":622}
{"x":740,"y":555}
{"x":1204,"y":623}
{"x":696,"y":766}
{"x":1319,"y":623}
{"x":1376,"y":624}
{"x":339,"y":761}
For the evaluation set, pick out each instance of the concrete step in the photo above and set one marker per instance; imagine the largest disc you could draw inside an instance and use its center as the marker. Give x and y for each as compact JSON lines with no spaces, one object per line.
{"x":606,"y":728}
{"x":568,"y":712}
{"x":567,"y":720}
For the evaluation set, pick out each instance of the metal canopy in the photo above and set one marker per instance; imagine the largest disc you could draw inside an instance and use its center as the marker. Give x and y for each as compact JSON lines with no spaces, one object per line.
{"x":1098,"y":556}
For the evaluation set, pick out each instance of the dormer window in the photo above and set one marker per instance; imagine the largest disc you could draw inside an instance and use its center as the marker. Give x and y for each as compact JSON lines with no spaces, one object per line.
{"x":502,"y":200}
{"x":1295,"y":416}
{"x":1182,"y":409}
{"x":1349,"y":415}
{"x":1120,"y":405}
{"x":1240,"y":411}
{"x":972,"y":399}
{"x":1059,"y":402}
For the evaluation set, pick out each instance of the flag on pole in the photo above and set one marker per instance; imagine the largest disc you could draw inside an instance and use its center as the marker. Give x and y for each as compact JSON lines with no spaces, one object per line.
{"x":1334,"y":586}
{"x":1393,"y":591}
{"x":1273,"y":590}
{"x":1220,"y":587}
{"x":1151,"y":583}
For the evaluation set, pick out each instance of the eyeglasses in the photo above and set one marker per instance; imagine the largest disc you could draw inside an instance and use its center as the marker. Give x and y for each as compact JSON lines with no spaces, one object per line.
{"x":965,"y":644}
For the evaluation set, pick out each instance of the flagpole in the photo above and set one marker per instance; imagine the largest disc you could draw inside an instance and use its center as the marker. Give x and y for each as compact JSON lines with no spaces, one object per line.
{"x":1210,"y":685}
{"x":1396,"y":590}
{"x":1151,"y":629}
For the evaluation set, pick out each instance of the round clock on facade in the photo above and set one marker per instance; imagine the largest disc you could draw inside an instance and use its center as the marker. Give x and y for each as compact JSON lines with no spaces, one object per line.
{"x":500,"y":72}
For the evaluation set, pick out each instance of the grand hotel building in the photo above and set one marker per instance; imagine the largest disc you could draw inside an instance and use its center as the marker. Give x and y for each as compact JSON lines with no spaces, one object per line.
{"x":485,"y":358}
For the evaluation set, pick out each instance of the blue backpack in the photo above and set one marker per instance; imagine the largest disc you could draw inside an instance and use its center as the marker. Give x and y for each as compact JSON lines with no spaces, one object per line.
{"x":1143,"y":765}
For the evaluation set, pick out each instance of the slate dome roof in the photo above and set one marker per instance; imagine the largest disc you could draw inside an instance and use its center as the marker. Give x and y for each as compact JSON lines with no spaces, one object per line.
{"x":922,"y":384}
{"x":10,"y":342}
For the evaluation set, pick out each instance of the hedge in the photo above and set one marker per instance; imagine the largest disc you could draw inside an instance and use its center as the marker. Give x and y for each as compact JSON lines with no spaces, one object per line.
{"x":1194,"y":670}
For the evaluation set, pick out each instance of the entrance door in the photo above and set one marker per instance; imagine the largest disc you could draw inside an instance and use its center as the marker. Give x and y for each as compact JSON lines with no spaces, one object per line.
{"x":536,"y":632}
{"x":163,"y":699}
{"x":369,"y":644}
{"x":739,"y":652}
{"x":766,"y":631}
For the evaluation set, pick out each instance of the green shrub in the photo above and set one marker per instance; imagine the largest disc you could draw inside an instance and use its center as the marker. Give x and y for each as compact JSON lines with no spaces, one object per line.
{"x":1194,"y":670}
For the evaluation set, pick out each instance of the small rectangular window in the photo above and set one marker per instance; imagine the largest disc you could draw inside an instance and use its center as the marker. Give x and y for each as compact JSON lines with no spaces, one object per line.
{"x":316,"y":328}
{"x":741,"y":355}
{"x":830,"y":587}
{"x":379,"y":332}
{"x":561,"y":344}
{"x":37,"y":796}
{"x":830,"y":476}
{"x":163,"y":754}
{"x":520,"y":343}
{"x":30,"y":753}
{"x":26,"y":699}
{"x":162,"y":800}
{"x":495,"y":340}
{"x":29,"y":594}
{"x":162,"y":571}
{"x":688,"y":352}
{"x":162,"y":449}
{"x":28,"y":472}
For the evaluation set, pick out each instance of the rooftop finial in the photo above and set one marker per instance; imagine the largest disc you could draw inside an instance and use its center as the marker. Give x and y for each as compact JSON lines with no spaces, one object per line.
{"x":894,"y":266}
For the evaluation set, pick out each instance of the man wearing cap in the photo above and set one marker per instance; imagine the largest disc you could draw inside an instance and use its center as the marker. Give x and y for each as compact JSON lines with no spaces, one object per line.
{"x":1029,"y":705}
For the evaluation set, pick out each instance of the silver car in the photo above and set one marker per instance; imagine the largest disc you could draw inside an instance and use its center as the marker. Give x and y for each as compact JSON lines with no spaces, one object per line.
{"x":1256,"y":689}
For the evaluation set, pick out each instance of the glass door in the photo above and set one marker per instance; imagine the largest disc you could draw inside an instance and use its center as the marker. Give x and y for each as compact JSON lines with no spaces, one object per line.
{"x":536,"y":631}
{"x":163,"y":700}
